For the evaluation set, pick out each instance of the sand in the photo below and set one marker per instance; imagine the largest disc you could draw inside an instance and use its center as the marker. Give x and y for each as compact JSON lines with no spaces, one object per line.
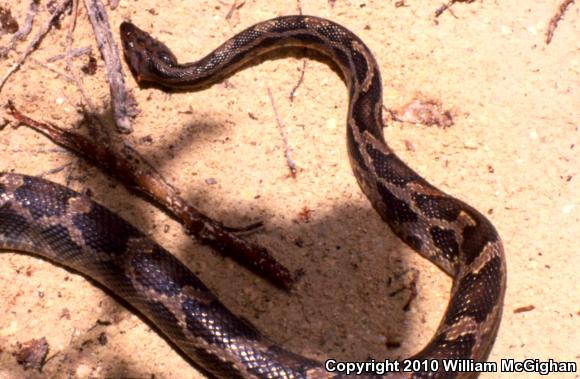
{"x":512,"y":153}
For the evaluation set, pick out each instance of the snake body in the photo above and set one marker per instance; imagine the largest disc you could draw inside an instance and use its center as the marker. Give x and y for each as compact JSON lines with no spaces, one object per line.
{"x":44,"y":218}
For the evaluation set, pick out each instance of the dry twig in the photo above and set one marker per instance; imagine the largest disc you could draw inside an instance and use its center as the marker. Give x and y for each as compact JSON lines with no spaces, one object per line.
{"x":124,"y":163}
{"x":237,"y":4}
{"x":55,"y":170}
{"x":74,"y":53}
{"x":36,"y":40}
{"x":299,"y":82}
{"x":557,"y":17}
{"x":448,"y":5}
{"x":69,"y":60}
{"x":123,"y":106}
{"x":63,"y":75}
{"x":291,"y":164}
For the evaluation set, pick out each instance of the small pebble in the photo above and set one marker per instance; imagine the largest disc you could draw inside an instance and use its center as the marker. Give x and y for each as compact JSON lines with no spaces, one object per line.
{"x":10,"y":329}
{"x":331,"y":123}
{"x":568,"y":208}
{"x":470,"y":144}
{"x":83,"y":371}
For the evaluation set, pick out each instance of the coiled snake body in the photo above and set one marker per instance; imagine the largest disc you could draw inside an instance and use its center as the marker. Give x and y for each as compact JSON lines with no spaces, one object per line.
{"x":44,"y":218}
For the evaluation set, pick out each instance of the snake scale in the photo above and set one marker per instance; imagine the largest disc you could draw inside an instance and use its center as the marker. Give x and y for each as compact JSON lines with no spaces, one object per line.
{"x":40,"y":217}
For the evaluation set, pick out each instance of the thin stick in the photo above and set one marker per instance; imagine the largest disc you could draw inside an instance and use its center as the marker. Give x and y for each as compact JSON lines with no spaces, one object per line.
{"x":235,"y":6}
{"x":24,"y":29}
{"x":69,"y":60}
{"x":301,"y":79}
{"x":123,"y":108}
{"x":442,"y":8}
{"x":447,"y":6}
{"x":40,"y":151}
{"x":54,"y":170}
{"x":291,"y":164}
{"x":63,"y":75}
{"x":35,"y":41}
{"x":299,"y":82}
{"x":557,"y":17}
{"x":74,"y":53}
{"x":125,"y":163}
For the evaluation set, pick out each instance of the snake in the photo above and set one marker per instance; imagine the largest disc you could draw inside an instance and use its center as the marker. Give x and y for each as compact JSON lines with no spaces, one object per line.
{"x":43,"y":218}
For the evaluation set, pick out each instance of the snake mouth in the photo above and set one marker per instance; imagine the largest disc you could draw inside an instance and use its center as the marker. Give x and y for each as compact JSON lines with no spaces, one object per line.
{"x":129,"y":31}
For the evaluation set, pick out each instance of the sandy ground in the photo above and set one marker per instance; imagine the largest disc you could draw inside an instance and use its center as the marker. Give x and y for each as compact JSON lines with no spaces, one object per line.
{"x":512,"y":153}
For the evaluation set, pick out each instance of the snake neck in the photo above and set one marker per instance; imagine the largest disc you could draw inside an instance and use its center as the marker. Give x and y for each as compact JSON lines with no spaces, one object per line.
{"x":152,"y":61}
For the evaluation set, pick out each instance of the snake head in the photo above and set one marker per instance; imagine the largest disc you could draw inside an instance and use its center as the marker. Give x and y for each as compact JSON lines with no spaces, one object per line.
{"x":147,"y":57}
